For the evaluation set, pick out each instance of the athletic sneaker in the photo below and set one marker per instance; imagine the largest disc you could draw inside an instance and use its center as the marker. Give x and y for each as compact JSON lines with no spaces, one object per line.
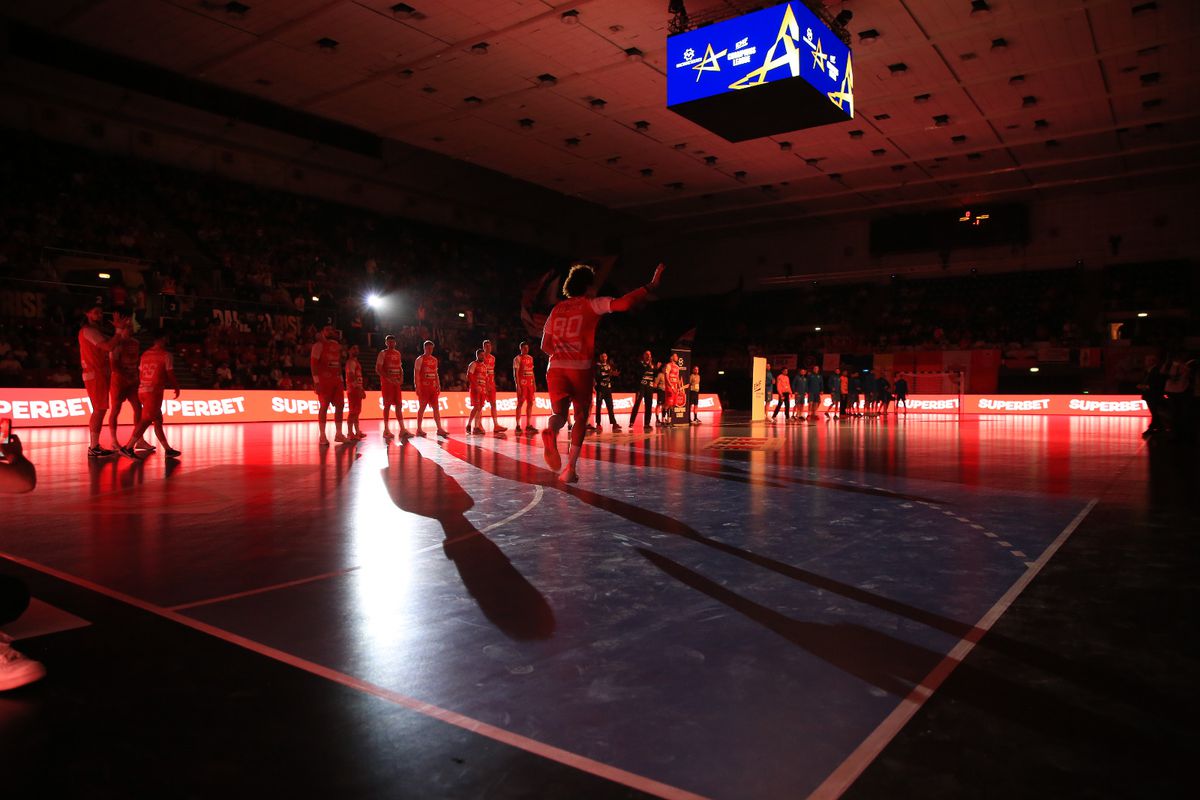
{"x":144,"y":446}
{"x":171,"y":452}
{"x":646,"y":429}
{"x":550,"y":450}
{"x":499,"y":429}
{"x":616,"y":428}
{"x":529,"y":429}
{"x":16,"y":668}
{"x":100,"y":452}
{"x":443,"y":434}
{"x":388,"y":435}
{"x":404,"y":434}
{"x":323,"y":442}
{"x":421,"y":434}
{"x":128,"y":452}
{"x":339,"y":438}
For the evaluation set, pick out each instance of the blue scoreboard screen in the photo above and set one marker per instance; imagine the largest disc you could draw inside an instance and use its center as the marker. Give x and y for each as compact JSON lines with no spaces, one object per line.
{"x":772,"y":71}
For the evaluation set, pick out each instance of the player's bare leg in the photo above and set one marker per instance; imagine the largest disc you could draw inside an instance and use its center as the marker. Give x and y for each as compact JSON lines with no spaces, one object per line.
{"x":437,"y":420}
{"x":140,"y":443}
{"x":322,"y":419}
{"x":387,"y":434}
{"x":558,"y":418}
{"x":405,"y":433}
{"x":569,"y":475}
{"x":497,"y":428}
{"x":337,"y":423}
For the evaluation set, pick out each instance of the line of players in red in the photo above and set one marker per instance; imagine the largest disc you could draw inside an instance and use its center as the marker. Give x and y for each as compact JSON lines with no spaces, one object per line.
{"x":113,"y":374}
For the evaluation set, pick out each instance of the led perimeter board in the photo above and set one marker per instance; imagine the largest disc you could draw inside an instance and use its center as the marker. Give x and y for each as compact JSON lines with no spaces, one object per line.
{"x":776,"y":70}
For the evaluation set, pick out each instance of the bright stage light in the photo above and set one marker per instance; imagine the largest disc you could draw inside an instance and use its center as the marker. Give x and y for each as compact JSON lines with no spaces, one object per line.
{"x":374,"y":300}
{"x":105,"y":276}
{"x":1143,"y":314}
{"x":316,"y":299}
{"x":1033,"y":369}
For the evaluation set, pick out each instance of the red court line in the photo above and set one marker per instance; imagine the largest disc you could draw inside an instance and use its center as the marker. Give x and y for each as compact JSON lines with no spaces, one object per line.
{"x":848,"y":771}
{"x":261,"y":590}
{"x":582,"y":763}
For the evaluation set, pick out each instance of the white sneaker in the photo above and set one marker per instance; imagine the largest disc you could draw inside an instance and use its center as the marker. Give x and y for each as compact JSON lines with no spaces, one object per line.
{"x":17,"y":669}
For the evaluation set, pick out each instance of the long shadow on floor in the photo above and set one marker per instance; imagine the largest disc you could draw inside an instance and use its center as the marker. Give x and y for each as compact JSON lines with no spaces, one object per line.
{"x":420,"y":486}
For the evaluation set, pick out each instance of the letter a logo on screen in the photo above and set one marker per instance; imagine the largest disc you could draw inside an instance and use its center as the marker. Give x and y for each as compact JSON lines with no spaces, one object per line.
{"x":789,"y":34}
{"x":710,"y":62}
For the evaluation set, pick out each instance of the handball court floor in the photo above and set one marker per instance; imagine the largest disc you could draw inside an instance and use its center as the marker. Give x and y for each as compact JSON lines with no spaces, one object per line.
{"x":916,"y":607}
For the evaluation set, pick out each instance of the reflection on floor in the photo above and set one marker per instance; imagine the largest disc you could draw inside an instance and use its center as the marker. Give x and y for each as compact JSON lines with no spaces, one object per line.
{"x":687,"y":620}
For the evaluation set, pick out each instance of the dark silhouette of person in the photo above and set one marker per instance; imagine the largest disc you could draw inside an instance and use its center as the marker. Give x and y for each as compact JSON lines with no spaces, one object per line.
{"x":420,"y":485}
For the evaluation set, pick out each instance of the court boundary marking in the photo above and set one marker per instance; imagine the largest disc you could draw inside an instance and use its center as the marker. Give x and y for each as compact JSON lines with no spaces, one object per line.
{"x":844,"y":776}
{"x":547,"y":751}
{"x":261,"y":590}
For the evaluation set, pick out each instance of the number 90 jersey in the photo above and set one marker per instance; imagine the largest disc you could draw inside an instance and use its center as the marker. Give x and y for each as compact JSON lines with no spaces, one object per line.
{"x":569,"y":337}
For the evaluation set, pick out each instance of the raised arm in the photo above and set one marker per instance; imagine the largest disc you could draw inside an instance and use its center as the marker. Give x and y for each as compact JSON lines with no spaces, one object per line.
{"x":640,"y":294}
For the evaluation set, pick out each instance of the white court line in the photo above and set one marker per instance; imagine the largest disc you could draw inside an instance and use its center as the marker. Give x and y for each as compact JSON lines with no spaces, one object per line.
{"x":261,"y":590}
{"x":848,"y":771}
{"x":537,"y":498}
{"x":548,"y":751}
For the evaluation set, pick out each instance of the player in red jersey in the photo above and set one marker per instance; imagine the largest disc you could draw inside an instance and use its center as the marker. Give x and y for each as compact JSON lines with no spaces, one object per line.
{"x":94,"y":349}
{"x":326,"y":364}
{"x":674,"y":386}
{"x":123,"y":382}
{"x":354,"y":393}
{"x":489,"y":366}
{"x":428,"y":385}
{"x":569,"y":339}
{"x":390,"y":369}
{"x":526,"y":383}
{"x":477,"y":384}
{"x":156,"y":373}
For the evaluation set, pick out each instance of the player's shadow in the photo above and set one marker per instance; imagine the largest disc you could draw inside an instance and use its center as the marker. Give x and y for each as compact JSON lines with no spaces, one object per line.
{"x":514,"y":469}
{"x":1093,"y":676}
{"x":420,"y":485}
{"x":898,"y":667}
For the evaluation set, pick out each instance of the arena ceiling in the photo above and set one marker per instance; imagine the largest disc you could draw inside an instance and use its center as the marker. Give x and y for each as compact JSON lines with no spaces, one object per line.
{"x":1037,"y":94}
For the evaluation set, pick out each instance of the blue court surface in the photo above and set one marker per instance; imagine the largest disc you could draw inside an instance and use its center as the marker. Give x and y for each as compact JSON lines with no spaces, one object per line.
{"x":687,"y":620}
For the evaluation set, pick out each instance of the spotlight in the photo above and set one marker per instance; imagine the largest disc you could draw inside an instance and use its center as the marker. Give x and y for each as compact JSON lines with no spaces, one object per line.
{"x":720,"y":372}
{"x":1033,"y":369}
{"x":1143,"y":314}
{"x":103,"y":276}
{"x":817,"y":329}
{"x":462,"y":315}
{"x":316,"y":299}
{"x":374,"y":300}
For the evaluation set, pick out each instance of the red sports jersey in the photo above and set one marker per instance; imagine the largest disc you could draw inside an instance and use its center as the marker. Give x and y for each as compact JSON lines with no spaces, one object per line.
{"x":354,"y":375}
{"x":523,"y":366}
{"x":489,"y":368}
{"x":389,"y":366}
{"x":327,"y":359}
{"x":156,"y":371}
{"x":672,"y":375}
{"x":569,"y":337}
{"x":783,"y":384}
{"x":124,"y":359}
{"x":426,"y":368}
{"x":94,"y":361}
{"x":477,"y":375}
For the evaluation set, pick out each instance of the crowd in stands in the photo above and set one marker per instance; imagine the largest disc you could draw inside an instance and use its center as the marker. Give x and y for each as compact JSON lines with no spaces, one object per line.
{"x":245,"y":276}
{"x":283,"y":262}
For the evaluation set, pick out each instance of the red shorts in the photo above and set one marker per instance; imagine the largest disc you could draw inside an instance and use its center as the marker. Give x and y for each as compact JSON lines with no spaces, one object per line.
{"x":427,"y":396}
{"x":98,"y":392}
{"x":355,"y":396}
{"x":391,"y":393}
{"x":575,"y":384}
{"x":121,"y":389}
{"x":525,"y":392}
{"x":479,"y":396}
{"x":151,"y":405}
{"x":329,"y":390}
